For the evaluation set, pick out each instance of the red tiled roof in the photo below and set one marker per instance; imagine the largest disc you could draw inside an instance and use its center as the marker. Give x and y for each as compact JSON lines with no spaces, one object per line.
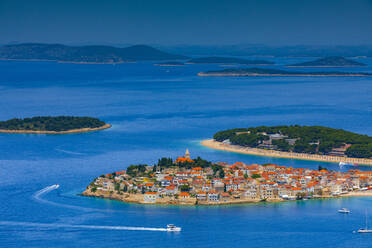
{"x":150,"y":193}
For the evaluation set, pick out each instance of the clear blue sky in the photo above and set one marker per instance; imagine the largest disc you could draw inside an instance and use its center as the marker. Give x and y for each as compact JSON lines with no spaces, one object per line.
{"x":171,"y":22}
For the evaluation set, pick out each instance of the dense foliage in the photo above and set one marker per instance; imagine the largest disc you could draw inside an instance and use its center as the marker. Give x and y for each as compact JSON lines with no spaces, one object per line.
{"x":136,"y":170}
{"x":308,"y":139}
{"x":140,"y":169}
{"x":360,"y":151}
{"x":49,"y":123}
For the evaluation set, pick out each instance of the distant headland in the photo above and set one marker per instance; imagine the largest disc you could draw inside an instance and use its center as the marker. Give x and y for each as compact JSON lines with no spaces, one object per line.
{"x":258,"y":72}
{"x":228,"y":60}
{"x":52,"y":125}
{"x":187,"y":181}
{"x":83,"y":54}
{"x":300,"y":142}
{"x":334,"y":61}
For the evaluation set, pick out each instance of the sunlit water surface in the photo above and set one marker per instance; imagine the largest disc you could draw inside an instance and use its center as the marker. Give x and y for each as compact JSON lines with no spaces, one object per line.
{"x":155,"y":112}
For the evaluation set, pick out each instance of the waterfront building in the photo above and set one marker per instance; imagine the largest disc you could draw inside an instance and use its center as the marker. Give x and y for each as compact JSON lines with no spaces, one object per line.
{"x":150,"y":197}
{"x":213,"y":196}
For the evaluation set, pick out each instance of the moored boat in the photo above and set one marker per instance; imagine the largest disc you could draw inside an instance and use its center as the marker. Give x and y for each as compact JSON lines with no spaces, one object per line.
{"x":365,"y":229}
{"x":348,"y":164}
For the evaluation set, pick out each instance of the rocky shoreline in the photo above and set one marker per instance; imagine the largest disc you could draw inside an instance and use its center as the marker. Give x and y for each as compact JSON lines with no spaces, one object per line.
{"x":138,"y":198}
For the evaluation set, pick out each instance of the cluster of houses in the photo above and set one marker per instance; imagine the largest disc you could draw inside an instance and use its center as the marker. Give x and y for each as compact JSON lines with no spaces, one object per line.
{"x":268,"y":144}
{"x":241,"y":182}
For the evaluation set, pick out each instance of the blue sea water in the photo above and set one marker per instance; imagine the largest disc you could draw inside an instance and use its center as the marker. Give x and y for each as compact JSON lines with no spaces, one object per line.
{"x":161,"y":111}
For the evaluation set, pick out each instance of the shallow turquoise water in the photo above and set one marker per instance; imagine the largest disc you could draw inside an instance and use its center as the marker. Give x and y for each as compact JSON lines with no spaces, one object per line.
{"x":160,"y":111}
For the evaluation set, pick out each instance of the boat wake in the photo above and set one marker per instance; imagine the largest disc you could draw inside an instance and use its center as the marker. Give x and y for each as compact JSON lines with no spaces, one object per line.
{"x":68,"y":152}
{"x":38,"y":197}
{"x":57,"y":225}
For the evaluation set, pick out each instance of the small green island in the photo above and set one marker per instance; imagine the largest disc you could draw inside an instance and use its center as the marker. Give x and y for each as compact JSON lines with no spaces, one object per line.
{"x":52,"y":125}
{"x":254,"y":72}
{"x":334,"y":61}
{"x":170,"y":63}
{"x":228,"y":60}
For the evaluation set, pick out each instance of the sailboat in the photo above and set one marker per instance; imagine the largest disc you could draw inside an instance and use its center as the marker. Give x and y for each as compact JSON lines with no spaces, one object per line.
{"x":365,"y":230}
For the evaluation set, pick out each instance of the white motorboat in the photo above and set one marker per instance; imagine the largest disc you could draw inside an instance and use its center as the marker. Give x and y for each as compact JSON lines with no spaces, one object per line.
{"x":173,"y":228}
{"x":344,"y":211}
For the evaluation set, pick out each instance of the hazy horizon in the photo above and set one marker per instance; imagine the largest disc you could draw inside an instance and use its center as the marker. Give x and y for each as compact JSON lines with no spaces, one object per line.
{"x":173,"y":23}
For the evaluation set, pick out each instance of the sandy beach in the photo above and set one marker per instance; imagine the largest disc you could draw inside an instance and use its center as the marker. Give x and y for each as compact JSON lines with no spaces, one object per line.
{"x":81,"y":130}
{"x":271,"y":153}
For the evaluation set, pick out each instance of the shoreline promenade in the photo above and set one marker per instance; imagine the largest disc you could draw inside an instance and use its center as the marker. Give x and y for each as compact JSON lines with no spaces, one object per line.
{"x":211,"y":143}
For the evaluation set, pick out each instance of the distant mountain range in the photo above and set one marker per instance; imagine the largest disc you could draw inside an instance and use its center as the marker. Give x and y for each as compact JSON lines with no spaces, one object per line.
{"x":273,"y":51}
{"x":84,"y":54}
{"x":334,"y":61}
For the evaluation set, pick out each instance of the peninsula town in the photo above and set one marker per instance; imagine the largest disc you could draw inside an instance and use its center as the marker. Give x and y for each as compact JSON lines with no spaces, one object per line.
{"x":189,"y":181}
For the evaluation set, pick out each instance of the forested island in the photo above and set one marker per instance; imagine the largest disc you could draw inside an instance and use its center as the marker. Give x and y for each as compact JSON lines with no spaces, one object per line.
{"x":253,"y":72}
{"x":83,"y":54}
{"x":52,"y":124}
{"x":300,"y":139}
{"x":228,"y":60}
{"x":334,"y":61}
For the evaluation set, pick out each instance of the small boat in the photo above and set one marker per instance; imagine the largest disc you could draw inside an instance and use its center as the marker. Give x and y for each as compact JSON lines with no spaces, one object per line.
{"x":365,"y":230}
{"x":56,"y":186}
{"x":341,"y":164}
{"x":173,"y":228}
{"x":344,"y":211}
